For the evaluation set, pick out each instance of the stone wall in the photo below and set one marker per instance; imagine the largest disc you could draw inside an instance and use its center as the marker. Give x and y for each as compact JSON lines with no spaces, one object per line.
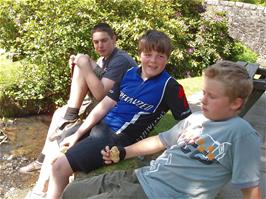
{"x":247,"y":23}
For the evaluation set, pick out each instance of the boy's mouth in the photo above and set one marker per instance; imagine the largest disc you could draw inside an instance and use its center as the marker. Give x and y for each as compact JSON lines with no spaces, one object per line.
{"x":204,"y":109}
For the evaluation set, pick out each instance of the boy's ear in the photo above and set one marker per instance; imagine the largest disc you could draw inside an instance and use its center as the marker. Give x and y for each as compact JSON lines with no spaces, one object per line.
{"x":114,"y":38}
{"x":237,"y":104}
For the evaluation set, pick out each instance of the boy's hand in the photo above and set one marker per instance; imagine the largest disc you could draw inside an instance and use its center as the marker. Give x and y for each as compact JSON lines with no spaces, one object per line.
{"x":71,"y":61}
{"x":69,"y":141}
{"x":106,"y":155}
{"x":188,"y":137}
{"x":113,"y":155}
{"x":83,"y":61}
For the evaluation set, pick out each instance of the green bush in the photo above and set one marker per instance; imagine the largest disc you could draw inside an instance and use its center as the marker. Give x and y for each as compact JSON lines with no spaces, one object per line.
{"x":45,"y":33}
{"x":243,"y":53}
{"x":257,"y":2}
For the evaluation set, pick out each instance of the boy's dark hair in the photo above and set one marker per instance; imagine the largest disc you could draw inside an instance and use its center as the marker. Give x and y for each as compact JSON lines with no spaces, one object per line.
{"x":234,"y":77}
{"x":155,"y":40}
{"x":103,"y":27}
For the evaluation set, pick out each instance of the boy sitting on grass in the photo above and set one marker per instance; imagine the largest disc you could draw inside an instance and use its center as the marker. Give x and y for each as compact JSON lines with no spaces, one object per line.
{"x":203,"y":152}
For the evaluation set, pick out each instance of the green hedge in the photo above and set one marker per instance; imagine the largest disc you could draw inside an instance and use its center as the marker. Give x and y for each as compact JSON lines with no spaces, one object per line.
{"x":257,"y":2}
{"x":45,"y":33}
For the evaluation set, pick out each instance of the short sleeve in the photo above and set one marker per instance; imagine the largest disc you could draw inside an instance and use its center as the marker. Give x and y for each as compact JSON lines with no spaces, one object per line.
{"x":246,"y":161}
{"x":117,"y":68}
{"x":176,"y":100}
{"x":114,"y":92}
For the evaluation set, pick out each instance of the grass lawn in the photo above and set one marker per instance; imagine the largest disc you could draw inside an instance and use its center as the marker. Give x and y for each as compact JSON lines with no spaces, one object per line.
{"x":191,"y":85}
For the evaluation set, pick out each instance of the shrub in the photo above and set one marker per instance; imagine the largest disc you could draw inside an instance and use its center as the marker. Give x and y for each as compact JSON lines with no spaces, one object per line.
{"x":257,"y":2}
{"x":243,"y":53}
{"x":46,"y":32}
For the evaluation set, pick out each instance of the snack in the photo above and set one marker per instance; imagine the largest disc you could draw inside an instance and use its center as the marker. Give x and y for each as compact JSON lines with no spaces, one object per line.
{"x":63,"y":149}
{"x":114,"y":154}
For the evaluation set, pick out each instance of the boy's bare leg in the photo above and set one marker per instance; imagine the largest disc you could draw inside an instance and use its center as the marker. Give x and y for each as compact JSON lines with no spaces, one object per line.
{"x":59,"y":177}
{"x":79,"y":89}
{"x":41,"y":185}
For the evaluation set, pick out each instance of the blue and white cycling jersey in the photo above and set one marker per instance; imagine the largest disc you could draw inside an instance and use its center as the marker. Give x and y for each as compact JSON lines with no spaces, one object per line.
{"x":143,"y":103}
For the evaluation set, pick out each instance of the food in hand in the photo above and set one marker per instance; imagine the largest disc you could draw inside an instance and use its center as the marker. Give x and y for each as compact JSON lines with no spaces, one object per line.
{"x":114,"y":154}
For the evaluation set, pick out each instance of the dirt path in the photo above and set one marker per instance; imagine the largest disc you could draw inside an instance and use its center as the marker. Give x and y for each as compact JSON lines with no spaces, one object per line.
{"x":25,"y":140}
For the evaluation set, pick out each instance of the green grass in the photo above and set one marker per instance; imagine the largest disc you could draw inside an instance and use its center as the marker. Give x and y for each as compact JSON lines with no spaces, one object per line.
{"x":191,"y":85}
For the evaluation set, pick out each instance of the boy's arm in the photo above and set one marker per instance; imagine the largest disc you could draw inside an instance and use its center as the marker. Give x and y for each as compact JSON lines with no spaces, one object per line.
{"x":93,"y":118}
{"x":252,"y":193}
{"x":97,"y":87}
{"x":97,"y":114}
{"x":150,"y":145}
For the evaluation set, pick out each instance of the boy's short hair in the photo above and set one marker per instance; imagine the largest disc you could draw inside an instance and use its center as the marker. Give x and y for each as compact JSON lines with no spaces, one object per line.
{"x":155,"y":40}
{"x":233,"y":76}
{"x":103,"y":27}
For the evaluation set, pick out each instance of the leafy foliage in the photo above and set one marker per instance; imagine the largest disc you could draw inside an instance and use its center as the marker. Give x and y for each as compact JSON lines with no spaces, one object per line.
{"x":257,"y":2}
{"x":242,"y":52}
{"x":46,"y":32}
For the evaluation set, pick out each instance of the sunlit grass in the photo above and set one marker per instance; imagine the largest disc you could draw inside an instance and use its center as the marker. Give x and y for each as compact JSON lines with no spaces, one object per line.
{"x":191,"y":85}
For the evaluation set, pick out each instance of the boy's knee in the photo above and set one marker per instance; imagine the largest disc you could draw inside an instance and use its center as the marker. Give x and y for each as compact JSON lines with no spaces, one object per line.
{"x":57,"y":166}
{"x":61,"y":167}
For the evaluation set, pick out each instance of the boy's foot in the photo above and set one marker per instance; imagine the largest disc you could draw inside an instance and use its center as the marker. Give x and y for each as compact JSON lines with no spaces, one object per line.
{"x":63,"y":127}
{"x":33,"y":166}
{"x":35,"y":195}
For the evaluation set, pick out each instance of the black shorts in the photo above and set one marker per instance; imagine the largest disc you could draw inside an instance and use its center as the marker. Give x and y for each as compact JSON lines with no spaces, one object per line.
{"x":86,"y":155}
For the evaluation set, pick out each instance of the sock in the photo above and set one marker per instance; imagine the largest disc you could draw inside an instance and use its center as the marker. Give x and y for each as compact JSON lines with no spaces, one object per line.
{"x":40,"y":158}
{"x":71,"y":113}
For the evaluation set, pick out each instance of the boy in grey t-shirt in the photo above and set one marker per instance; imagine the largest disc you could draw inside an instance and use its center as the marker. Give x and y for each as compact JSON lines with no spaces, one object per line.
{"x":203,"y":152}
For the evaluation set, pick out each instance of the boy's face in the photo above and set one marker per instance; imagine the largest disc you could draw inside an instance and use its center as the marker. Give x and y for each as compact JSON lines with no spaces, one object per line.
{"x":103,"y":43}
{"x":215,"y":105}
{"x":153,"y":63}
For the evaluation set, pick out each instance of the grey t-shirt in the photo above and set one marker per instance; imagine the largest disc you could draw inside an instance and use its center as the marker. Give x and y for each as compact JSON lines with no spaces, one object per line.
{"x":225,"y":150}
{"x":116,"y":65}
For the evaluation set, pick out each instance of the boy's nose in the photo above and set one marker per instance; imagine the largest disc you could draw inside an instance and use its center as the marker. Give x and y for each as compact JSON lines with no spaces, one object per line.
{"x":100,"y":44}
{"x":203,"y":100}
{"x":153,"y":58}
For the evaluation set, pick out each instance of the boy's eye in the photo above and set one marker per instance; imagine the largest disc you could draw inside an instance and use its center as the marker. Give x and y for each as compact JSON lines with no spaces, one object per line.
{"x":208,"y":95}
{"x":100,"y":41}
{"x":104,"y":40}
{"x":212,"y":96}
